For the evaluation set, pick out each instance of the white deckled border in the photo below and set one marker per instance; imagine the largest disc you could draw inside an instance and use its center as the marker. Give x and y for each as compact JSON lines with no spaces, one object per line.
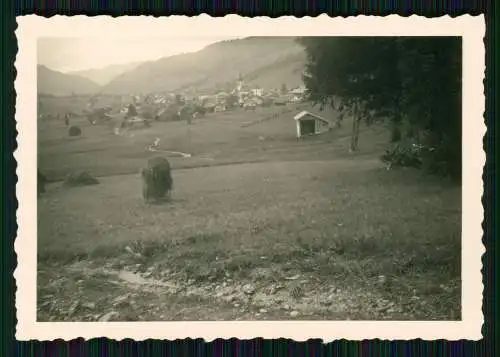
{"x":472,"y":29}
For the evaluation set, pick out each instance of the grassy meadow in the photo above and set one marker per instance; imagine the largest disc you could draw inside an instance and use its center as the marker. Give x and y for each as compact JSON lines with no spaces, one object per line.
{"x":261,"y":226}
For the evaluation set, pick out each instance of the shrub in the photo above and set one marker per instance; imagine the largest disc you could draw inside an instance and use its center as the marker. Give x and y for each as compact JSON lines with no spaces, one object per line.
{"x":443,"y":160}
{"x":74,"y":131}
{"x":131,"y":111}
{"x":395,"y":135}
{"x":403,"y":156}
{"x":200,"y":110}
{"x":82,"y":178}
{"x":41,"y":181}
{"x":432,"y":159}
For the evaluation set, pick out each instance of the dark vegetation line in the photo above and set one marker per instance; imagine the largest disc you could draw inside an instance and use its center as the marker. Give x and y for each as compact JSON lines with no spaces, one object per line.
{"x":414,"y":83}
{"x":200,"y":166}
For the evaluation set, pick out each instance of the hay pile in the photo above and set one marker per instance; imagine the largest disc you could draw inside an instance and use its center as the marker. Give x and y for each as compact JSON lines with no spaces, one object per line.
{"x":74,"y":131}
{"x":81,"y":178}
{"x":156,"y":179}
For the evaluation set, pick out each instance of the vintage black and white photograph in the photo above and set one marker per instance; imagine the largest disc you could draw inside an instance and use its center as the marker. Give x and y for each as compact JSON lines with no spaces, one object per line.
{"x":249,"y":178}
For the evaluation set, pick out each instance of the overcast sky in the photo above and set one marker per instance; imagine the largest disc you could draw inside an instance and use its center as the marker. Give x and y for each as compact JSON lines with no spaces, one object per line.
{"x":74,"y":54}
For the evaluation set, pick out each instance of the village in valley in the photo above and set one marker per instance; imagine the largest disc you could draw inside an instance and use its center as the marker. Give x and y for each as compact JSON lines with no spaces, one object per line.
{"x":137,"y":109}
{"x":279,"y":206}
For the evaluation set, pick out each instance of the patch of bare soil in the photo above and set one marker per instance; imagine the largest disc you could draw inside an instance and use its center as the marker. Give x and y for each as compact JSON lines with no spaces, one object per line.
{"x":89,"y":291}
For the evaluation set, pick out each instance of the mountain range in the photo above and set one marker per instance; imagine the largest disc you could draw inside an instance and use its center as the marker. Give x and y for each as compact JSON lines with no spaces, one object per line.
{"x":61,"y":84}
{"x":104,"y":75}
{"x":267,"y":62}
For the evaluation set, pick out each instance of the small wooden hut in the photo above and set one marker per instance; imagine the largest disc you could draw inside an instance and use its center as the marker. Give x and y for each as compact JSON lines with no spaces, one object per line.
{"x":310,"y":124}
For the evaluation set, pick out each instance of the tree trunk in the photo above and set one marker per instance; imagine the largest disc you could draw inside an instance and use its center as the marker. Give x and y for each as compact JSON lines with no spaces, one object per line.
{"x":188,"y":140}
{"x":355,"y":134}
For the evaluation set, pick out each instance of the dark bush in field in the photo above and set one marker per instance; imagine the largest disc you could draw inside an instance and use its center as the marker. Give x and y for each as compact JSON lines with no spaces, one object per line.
{"x":156,"y":179}
{"x":82,"y":178}
{"x":418,"y":156}
{"x":74,"y":131}
{"x":395,"y":135}
{"x":132,"y":111}
{"x":41,"y":181}
{"x":201,"y":111}
{"x":437,"y":160}
{"x":403,"y":156}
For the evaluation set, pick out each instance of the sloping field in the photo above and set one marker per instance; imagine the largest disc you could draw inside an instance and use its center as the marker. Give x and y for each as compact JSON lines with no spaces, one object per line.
{"x":357,"y":242}
{"x":215,"y":139}
{"x":273,"y":228}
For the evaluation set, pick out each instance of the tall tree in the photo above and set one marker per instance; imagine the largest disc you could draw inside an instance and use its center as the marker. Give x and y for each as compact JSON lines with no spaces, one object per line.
{"x":132,"y":111}
{"x":411,"y":80}
{"x":178,"y":99}
{"x":231,"y":100}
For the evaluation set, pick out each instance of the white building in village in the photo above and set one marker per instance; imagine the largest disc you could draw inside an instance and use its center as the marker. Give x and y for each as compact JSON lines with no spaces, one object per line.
{"x":310,"y":124}
{"x":257,"y":92}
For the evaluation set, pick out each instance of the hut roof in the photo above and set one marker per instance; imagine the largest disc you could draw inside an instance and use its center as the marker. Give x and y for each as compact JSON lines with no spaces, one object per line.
{"x":305,"y":113}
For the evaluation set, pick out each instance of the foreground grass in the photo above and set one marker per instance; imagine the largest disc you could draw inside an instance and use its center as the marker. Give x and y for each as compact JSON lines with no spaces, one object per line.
{"x":261,"y":226}
{"x":338,"y":239}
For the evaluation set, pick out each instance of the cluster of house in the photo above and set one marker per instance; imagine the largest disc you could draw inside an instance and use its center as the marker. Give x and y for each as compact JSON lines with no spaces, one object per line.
{"x":241,"y":96}
{"x":175,"y":106}
{"x":250,"y":98}
{"x":307,"y":123}
{"x":185,"y":106}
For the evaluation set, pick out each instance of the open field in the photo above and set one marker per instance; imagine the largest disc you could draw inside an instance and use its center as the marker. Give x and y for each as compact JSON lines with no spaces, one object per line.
{"x":218,"y":138}
{"x":261,"y":226}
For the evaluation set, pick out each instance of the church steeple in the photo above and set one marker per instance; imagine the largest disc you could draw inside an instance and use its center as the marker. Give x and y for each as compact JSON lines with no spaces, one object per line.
{"x":240,"y":82}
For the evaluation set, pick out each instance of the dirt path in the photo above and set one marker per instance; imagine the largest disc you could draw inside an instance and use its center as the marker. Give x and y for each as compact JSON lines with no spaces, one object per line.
{"x":85,"y":291}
